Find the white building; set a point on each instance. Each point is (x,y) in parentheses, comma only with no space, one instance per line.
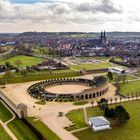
(99,123)
(117,70)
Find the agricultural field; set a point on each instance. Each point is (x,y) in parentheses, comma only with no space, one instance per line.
(25,60)
(128,131)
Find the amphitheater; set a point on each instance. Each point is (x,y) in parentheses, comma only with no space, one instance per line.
(69,88)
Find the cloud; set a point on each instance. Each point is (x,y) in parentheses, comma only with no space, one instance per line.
(105,6)
(55,10)
(58,12)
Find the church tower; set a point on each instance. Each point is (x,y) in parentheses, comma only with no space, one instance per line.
(103,38)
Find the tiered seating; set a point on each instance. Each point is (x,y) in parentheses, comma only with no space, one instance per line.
(37,90)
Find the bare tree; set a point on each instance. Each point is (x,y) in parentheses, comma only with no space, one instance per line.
(120,98)
(124,78)
(111,99)
(115,99)
(18,63)
(92,102)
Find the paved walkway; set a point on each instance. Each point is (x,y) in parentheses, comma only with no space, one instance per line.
(84,128)
(85,115)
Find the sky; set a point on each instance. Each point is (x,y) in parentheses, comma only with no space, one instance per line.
(69,15)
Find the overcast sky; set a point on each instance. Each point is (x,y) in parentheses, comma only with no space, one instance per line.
(69,15)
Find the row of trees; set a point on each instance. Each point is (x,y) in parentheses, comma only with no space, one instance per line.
(117,78)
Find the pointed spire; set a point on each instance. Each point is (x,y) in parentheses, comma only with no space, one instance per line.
(104,33)
(101,34)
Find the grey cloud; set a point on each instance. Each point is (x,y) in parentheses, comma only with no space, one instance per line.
(105,6)
(57,12)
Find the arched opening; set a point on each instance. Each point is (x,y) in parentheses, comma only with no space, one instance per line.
(97,94)
(93,95)
(82,97)
(90,96)
(86,96)
(77,97)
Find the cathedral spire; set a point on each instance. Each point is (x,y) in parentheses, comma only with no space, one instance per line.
(101,34)
(104,34)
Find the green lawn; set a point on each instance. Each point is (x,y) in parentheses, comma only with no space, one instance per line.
(80,103)
(26,60)
(91,66)
(41,77)
(128,131)
(43,129)
(21,130)
(102,58)
(127,78)
(3,134)
(131,87)
(77,117)
(118,59)
(40,102)
(5,114)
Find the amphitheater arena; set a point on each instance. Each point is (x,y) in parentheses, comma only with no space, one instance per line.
(69,88)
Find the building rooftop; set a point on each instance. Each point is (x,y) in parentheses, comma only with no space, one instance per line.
(99,121)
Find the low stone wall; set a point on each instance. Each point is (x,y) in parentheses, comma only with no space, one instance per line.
(18,109)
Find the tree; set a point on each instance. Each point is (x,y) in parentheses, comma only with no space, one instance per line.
(24,72)
(128,96)
(92,102)
(115,99)
(8,65)
(2,83)
(102,104)
(120,98)
(109,112)
(8,74)
(124,78)
(111,100)
(110,76)
(118,79)
(137,95)
(18,63)
(121,115)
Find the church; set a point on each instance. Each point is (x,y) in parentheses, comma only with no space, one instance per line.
(99,42)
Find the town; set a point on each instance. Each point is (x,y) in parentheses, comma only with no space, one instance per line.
(69,70)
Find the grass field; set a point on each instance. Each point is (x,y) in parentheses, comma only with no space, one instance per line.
(43,129)
(127,78)
(80,103)
(128,131)
(102,58)
(77,117)
(21,131)
(26,60)
(131,87)
(3,134)
(91,66)
(5,115)
(42,77)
